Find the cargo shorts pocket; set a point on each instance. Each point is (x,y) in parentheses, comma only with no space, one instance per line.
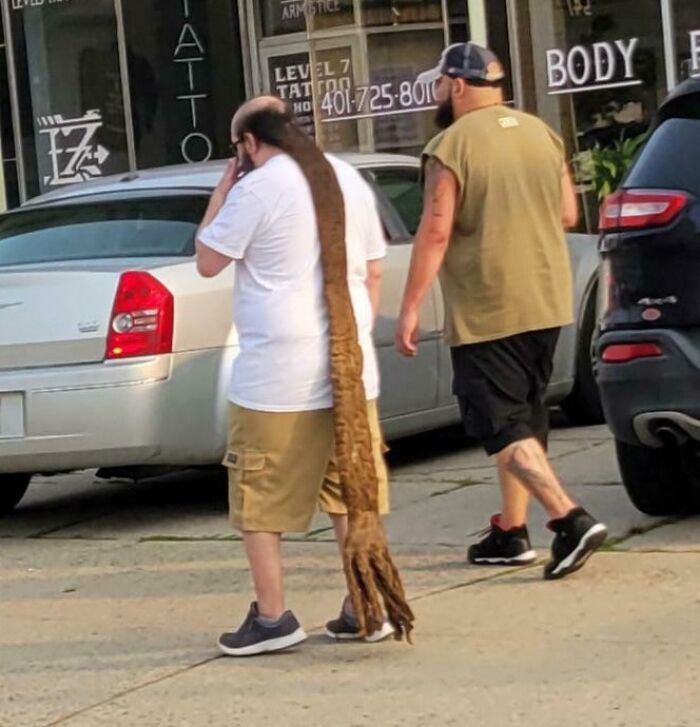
(244,473)
(245,460)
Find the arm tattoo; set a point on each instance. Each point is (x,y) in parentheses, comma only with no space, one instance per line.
(440,188)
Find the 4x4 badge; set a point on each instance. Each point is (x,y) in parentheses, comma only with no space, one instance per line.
(670,300)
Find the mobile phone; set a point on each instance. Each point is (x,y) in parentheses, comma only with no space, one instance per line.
(245,165)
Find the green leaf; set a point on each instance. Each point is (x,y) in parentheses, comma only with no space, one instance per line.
(610,166)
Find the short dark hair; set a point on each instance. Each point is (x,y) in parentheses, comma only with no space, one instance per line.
(483,83)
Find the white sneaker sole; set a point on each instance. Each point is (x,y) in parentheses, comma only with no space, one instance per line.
(383,633)
(588,544)
(266,647)
(526,558)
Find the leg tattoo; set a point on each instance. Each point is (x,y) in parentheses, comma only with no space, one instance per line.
(528,463)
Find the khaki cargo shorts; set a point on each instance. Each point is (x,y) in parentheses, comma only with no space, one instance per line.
(281,467)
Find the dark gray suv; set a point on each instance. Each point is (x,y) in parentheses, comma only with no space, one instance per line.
(649,350)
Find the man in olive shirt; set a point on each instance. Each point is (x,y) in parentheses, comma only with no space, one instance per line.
(498,197)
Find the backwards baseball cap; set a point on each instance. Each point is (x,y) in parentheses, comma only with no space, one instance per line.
(468,61)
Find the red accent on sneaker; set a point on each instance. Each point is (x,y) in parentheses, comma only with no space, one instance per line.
(497,522)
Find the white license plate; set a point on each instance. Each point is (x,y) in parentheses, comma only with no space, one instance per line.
(11,415)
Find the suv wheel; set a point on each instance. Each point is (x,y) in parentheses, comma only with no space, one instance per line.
(583,405)
(656,480)
(12,489)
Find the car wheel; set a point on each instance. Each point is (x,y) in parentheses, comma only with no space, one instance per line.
(583,405)
(12,489)
(656,480)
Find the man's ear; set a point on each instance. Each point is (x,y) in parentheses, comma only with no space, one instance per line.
(459,88)
(250,143)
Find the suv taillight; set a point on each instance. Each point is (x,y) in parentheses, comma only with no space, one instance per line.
(632,209)
(142,318)
(626,352)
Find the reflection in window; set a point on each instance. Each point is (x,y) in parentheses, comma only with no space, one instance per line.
(122,229)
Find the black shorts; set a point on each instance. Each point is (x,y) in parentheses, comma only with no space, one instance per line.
(501,387)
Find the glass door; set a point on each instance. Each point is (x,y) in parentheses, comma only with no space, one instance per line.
(384,105)
(291,71)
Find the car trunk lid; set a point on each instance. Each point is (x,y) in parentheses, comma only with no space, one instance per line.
(59,315)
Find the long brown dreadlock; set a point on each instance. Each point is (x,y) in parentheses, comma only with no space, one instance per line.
(371,575)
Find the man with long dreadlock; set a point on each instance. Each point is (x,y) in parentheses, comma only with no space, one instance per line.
(307,241)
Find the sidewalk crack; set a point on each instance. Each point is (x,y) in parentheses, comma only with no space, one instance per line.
(126,692)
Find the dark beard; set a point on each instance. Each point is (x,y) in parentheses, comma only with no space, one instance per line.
(245,164)
(445,115)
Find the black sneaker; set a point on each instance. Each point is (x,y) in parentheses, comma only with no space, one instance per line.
(253,637)
(578,536)
(345,628)
(502,547)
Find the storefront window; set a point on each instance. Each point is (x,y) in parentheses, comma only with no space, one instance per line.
(400,12)
(395,60)
(458,21)
(599,75)
(9,184)
(292,77)
(499,41)
(351,78)
(69,88)
(283,17)
(185,78)
(686,14)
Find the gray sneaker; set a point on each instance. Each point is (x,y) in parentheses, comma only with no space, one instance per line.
(254,637)
(345,628)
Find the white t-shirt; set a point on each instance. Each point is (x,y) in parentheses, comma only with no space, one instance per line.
(268,226)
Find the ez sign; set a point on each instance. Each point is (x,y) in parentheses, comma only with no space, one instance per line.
(588,68)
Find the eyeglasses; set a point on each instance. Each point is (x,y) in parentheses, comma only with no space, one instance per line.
(233,146)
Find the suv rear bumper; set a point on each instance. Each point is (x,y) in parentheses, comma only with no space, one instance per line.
(653,401)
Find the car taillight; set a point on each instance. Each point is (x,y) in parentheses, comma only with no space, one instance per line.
(142,318)
(626,352)
(632,209)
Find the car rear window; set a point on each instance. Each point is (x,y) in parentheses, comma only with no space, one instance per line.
(162,227)
(669,160)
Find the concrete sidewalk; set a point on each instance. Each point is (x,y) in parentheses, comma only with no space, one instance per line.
(111,601)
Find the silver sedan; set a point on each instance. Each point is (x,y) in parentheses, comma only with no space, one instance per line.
(115,354)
